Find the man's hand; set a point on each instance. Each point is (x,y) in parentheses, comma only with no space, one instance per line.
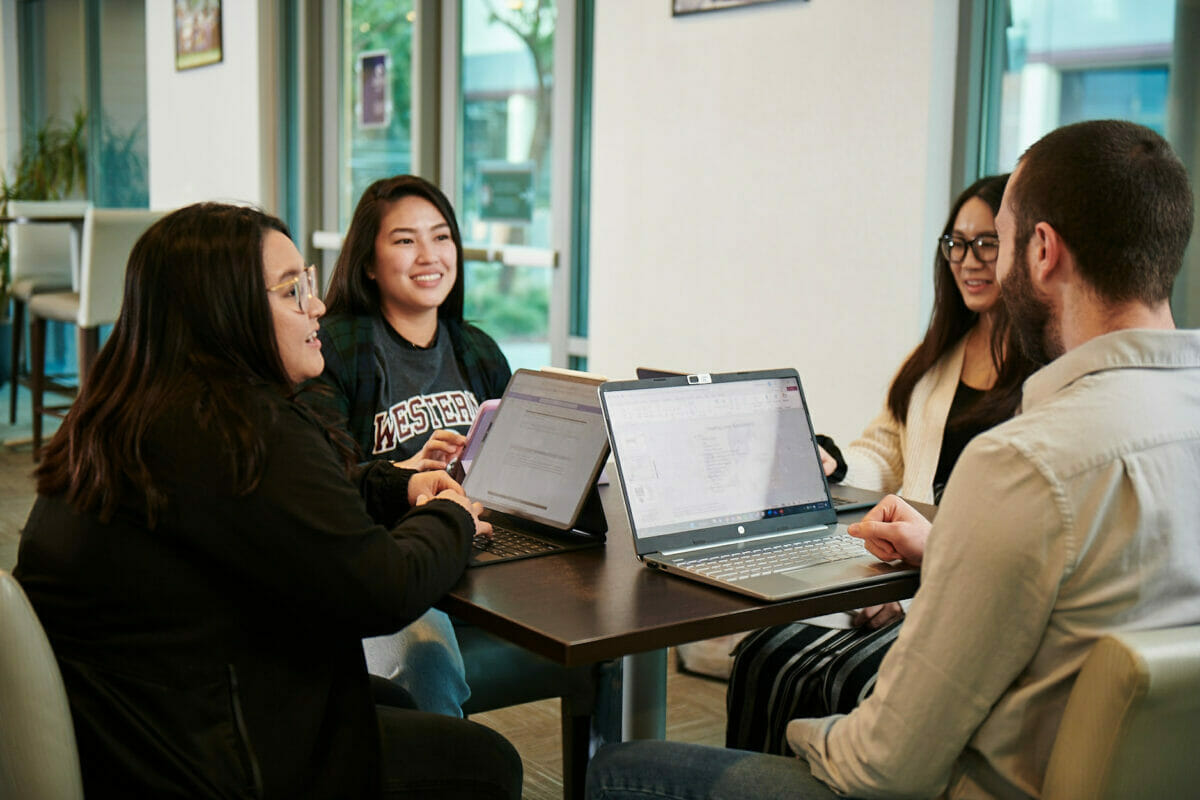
(442,447)
(893,530)
(828,462)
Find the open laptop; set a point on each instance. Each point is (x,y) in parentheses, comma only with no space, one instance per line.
(535,470)
(722,479)
(846,498)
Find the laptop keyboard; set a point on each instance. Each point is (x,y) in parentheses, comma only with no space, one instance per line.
(507,542)
(777,558)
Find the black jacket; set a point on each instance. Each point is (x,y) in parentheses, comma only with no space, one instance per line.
(219,654)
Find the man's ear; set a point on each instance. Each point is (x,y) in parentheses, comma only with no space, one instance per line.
(1048,255)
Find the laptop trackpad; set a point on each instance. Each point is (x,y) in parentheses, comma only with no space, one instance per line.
(845,572)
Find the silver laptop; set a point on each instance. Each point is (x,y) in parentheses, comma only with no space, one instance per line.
(723,484)
(536,468)
(846,498)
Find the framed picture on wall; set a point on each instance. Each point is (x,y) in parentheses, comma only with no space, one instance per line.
(680,7)
(197,33)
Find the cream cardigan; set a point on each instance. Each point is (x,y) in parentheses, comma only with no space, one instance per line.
(890,457)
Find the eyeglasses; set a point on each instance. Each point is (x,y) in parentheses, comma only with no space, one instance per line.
(986,248)
(303,287)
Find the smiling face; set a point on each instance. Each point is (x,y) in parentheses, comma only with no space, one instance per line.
(295,330)
(415,259)
(976,280)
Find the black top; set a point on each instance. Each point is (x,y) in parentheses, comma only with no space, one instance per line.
(219,654)
(956,435)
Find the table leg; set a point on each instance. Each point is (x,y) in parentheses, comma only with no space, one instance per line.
(645,696)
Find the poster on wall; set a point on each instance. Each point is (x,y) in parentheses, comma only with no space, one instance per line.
(679,7)
(375,89)
(197,33)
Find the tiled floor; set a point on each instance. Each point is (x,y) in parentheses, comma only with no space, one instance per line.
(696,706)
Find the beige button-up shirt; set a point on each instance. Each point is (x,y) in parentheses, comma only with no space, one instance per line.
(1079,517)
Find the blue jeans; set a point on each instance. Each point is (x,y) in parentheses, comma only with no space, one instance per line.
(677,771)
(424,659)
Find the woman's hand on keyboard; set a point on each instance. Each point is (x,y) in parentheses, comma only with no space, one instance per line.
(828,462)
(427,485)
(893,530)
(430,484)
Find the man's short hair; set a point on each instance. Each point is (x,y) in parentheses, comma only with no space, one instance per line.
(1118,196)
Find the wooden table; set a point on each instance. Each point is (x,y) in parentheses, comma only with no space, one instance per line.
(589,605)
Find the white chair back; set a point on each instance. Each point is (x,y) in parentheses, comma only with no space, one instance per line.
(43,252)
(38,755)
(108,238)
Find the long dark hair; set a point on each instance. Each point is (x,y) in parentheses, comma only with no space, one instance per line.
(952,319)
(350,290)
(195,326)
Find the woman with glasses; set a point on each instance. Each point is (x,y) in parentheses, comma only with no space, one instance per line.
(404,376)
(962,379)
(205,559)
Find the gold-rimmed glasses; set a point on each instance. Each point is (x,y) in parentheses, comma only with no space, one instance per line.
(302,286)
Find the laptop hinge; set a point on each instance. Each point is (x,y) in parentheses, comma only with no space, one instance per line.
(760,538)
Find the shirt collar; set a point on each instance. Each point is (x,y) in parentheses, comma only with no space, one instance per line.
(1163,349)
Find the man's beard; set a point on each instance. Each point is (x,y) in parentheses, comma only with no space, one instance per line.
(1030,314)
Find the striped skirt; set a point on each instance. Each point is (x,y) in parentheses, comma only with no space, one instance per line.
(798,670)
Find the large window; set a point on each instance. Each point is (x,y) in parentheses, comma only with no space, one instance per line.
(487,98)
(1066,61)
(507,79)
(1041,64)
(376,114)
(83,77)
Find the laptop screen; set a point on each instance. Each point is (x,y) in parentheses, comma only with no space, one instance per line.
(700,456)
(544,449)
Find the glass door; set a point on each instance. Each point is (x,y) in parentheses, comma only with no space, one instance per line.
(376,97)
(504,167)
(478,96)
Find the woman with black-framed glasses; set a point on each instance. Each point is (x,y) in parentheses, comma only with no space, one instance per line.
(963,378)
(206,560)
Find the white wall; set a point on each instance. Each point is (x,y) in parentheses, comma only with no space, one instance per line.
(767,185)
(207,126)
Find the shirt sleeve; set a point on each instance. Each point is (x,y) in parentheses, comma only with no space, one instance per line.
(384,488)
(992,569)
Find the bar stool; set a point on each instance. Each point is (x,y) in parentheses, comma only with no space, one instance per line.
(108,237)
(43,259)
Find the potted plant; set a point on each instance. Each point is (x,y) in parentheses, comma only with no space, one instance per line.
(51,166)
